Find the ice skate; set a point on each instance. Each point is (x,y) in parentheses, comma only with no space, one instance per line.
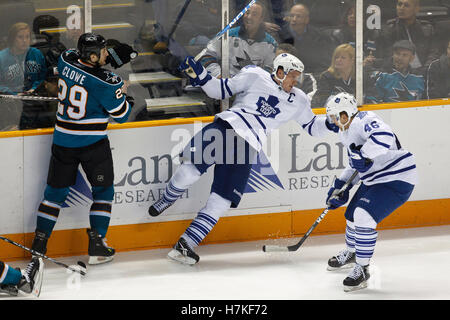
(9,289)
(357,279)
(182,253)
(159,206)
(343,260)
(98,251)
(32,277)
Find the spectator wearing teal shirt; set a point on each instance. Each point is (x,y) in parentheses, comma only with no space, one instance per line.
(399,82)
(22,68)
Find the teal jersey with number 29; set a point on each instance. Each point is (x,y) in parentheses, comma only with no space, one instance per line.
(88,96)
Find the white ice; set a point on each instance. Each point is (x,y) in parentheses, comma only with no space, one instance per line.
(408,264)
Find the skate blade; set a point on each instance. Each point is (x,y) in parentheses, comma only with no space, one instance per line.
(362,285)
(38,280)
(178,257)
(99,259)
(344,267)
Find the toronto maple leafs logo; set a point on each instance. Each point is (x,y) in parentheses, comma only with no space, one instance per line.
(268,108)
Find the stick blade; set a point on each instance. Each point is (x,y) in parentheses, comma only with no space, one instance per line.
(82,268)
(270,248)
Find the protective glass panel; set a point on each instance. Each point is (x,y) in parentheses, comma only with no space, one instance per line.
(163,33)
(32,36)
(411,56)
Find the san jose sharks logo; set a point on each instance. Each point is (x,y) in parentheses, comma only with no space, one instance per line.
(267,108)
(113,78)
(403,93)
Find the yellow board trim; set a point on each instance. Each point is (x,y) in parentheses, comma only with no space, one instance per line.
(229,229)
(178,121)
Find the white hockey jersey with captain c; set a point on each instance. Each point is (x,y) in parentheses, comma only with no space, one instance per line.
(379,143)
(261,105)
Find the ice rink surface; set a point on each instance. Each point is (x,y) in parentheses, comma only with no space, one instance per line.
(408,264)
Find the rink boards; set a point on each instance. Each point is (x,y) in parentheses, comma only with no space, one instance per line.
(285,194)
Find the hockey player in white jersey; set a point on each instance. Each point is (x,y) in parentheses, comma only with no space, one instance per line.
(263,103)
(387,173)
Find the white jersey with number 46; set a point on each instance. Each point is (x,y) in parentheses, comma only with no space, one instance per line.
(379,143)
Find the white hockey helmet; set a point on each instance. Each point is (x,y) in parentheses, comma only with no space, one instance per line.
(341,102)
(288,62)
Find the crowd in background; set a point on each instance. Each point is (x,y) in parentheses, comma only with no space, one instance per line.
(405,58)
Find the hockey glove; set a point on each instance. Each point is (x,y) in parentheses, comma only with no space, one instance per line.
(119,53)
(195,71)
(130,100)
(331,126)
(334,199)
(357,161)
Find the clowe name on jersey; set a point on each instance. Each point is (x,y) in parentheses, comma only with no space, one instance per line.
(73,75)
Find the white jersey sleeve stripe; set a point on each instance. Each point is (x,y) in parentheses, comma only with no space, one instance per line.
(309,125)
(222,90)
(379,142)
(228,88)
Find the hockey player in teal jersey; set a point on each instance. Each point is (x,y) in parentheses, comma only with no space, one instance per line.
(28,281)
(88,95)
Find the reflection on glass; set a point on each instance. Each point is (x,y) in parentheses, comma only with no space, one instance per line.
(164,32)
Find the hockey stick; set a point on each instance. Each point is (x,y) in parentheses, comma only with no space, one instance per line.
(17,97)
(227,27)
(219,36)
(161,46)
(294,247)
(80,263)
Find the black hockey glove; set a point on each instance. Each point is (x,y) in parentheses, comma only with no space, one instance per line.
(119,53)
(130,100)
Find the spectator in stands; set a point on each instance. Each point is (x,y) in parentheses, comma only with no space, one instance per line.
(200,23)
(339,77)
(438,76)
(313,46)
(22,68)
(347,34)
(398,81)
(307,82)
(250,44)
(407,27)
(276,23)
(48,43)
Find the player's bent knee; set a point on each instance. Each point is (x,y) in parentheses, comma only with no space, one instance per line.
(56,195)
(216,206)
(103,193)
(363,219)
